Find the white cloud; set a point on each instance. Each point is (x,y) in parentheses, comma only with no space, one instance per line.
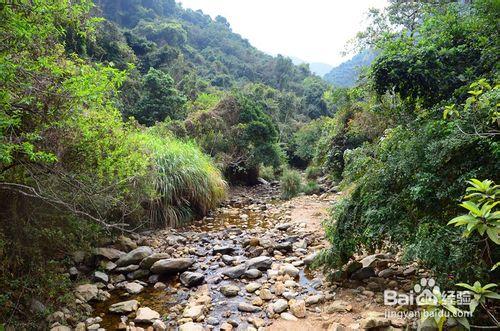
(313,30)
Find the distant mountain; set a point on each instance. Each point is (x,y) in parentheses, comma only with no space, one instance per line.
(318,68)
(347,73)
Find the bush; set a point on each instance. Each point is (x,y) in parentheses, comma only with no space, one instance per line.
(311,188)
(313,172)
(291,184)
(267,172)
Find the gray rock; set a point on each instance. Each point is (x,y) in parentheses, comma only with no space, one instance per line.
(124,307)
(235,272)
(283,226)
(308,260)
(146,315)
(280,306)
(371,260)
(248,308)
(138,274)
(190,326)
(147,262)
(229,290)
(260,262)
(133,288)
(314,299)
(222,249)
(110,253)
(101,277)
(290,270)
(253,273)
(386,273)
(338,306)
(409,271)
(135,256)
(190,279)
(87,292)
(127,269)
(170,266)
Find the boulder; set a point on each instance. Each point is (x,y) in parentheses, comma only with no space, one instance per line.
(260,262)
(338,306)
(290,270)
(135,256)
(134,288)
(101,277)
(170,266)
(235,272)
(193,311)
(109,253)
(124,307)
(147,262)
(374,320)
(222,249)
(146,315)
(190,279)
(87,292)
(126,243)
(253,273)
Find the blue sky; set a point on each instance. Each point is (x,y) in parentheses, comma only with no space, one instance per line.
(312,30)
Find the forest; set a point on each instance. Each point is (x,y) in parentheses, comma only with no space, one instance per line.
(129,128)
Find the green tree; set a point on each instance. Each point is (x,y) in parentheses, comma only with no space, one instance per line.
(159,99)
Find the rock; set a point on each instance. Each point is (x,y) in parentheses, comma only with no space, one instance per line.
(386,273)
(60,328)
(169,266)
(338,306)
(288,317)
(146,315)
(127,269)
(126,243)
(253,273)
(363,273)
(352,267)
(265,294)
(36,307)
(374,320)
(133,288)
(124,307)
(280,306)
(290,270)
(190,279)
(283,226)
(222,249)
(260,262)
(73,273)
(315,299)
(229,290)
(248,308)
(212,321)
(235,272)
(100,276)
(262,181)
(57,316)
(371,260)
(135,256)
(190,326)
(148,261)
(159,325)
(308,260)
(409,271)
(252,287)
(284,247)
(337,327)
(298,308)
(193,311)
(138,274)
(81,327)
(87,292)
(109,253)
(226,327)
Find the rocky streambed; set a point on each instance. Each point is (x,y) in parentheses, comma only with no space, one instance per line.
(243,267)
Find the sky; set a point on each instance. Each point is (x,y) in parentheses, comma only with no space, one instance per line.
(312,30)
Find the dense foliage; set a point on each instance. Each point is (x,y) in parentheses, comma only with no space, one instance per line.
(405,170)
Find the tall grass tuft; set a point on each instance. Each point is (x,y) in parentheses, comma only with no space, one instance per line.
(291,184)
(186,181)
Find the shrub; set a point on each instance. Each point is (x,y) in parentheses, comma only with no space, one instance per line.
(267,172)
(291,184)
(311,188)
(313,172)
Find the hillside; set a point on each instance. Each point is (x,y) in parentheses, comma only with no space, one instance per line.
(346,74)
(318,68)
